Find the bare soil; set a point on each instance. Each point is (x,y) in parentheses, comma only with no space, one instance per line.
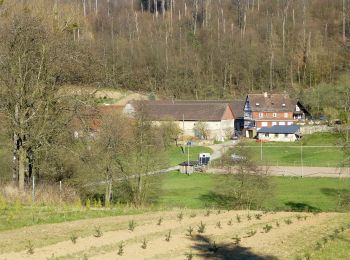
(283,241)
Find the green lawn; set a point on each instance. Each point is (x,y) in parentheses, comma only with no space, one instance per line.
(198,191)
(176,155)
(292,154)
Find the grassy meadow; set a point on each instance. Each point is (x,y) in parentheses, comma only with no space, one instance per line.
(290,154)
(289,193)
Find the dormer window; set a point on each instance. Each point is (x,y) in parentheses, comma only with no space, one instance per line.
(283,105)
(257,104)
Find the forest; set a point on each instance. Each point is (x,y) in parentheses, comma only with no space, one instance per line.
(205,49)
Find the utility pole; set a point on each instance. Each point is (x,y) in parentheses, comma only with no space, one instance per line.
(301,159)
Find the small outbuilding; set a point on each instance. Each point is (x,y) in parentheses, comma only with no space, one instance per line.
(279,133)
(188,167)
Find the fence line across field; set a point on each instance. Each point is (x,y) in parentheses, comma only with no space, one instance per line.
(295,146)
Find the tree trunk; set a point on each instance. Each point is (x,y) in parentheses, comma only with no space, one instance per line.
(21,167)
(344,24)
(15,160)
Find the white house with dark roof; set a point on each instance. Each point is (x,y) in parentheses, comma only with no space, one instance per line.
(219,116)
(279,133)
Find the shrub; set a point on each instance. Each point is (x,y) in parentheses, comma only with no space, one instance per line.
(236,240)
(238,218)
(258,216)
(73,238)
(159,221)
(207,214)
(30,247)
(98,232)
(213,247)
(189,231)
(144,243)
(88,204)
(219,212)
(288,221)
(218,224)
(229,222)
(251,233)
(168,236)
(132,225)
(180,216)
(121,248)
(277,224)
(318,246)
(298,217)
(249,217)
(267,228)
(201,228)
(189,255)
(193,215)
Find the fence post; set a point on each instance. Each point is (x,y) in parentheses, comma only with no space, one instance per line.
(60,190)
(33,187)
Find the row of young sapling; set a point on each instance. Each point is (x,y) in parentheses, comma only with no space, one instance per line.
(189,232)
(320,244)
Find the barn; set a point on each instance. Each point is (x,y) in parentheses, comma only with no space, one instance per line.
(218,116)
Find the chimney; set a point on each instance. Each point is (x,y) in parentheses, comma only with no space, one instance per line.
(265,94)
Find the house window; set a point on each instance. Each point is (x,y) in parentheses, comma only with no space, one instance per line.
(263,124)
(283,105)
(274,115)
(266,134)
(274,123)
(297,108)
(285,135)
(257,104)
(261,115)
(276,135)
(285,115)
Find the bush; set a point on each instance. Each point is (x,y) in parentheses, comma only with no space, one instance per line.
(251,233)
(73,238)
(121,248)
(132,225)
(201,228)
(236,240)
(180,216)
(98,232)
(144,243)
(30,248)
(159,221)
(267,228)
(168,236)
(189,231)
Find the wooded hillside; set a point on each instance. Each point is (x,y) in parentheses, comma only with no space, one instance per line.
(205,48)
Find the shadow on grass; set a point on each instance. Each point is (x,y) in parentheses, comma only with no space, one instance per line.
(213,199)
(208,250)
(301,207)
(335,192)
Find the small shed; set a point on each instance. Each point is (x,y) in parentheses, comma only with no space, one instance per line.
(188,167)
(279,133)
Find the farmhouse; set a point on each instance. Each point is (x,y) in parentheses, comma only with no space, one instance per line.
(279,133)
(218,116)
(268,110)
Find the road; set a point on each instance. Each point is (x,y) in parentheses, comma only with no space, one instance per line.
(299,171)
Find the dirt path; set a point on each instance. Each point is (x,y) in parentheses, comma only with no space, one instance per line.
(217,228)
